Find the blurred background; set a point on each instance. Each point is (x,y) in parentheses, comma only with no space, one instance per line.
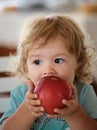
(13,14)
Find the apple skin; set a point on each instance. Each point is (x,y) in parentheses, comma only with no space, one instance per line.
(51,90)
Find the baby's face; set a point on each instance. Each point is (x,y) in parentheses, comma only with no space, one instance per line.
(51,59)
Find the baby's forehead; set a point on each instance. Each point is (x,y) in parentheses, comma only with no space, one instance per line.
(43,41)
(52,45)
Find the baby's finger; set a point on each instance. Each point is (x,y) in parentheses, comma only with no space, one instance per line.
(74,93)
(31,85)
(36,109)
(34,102)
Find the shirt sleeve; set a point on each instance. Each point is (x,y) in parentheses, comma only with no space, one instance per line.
(16,98)
(88,100)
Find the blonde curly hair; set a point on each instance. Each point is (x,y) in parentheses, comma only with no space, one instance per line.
(47,27)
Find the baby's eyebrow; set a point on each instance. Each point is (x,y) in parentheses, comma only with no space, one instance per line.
(62,54)
(34,55)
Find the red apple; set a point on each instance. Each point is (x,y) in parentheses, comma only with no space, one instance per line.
(51,90)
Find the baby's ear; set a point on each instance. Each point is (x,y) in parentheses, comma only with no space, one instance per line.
(31,85)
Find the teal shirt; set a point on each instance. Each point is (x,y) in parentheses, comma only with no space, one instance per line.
(86,97)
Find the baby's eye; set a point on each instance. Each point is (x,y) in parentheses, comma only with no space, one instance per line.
(59,60)
(37,62)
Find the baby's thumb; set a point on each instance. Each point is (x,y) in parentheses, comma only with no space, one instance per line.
(31,85)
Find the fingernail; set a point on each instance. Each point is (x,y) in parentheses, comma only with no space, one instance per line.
(38,102)
(35,95)
(63,101)
(55,110)
(42,109)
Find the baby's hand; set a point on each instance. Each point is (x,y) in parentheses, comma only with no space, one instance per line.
(32,102)
(71,105)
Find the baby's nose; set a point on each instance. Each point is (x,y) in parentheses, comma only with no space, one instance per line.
(49,71)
